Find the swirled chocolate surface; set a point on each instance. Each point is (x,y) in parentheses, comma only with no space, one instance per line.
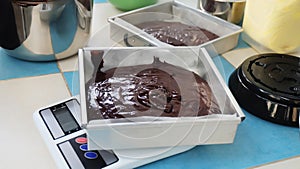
(157,89)
(176,33)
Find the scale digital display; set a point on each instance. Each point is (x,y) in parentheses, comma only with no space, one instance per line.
(65,119)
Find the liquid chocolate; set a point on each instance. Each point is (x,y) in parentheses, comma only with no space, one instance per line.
(176,33)
(157,89)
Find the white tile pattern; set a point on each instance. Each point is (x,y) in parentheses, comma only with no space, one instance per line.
(18,133)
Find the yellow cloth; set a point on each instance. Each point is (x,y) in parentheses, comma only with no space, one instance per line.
(274,24)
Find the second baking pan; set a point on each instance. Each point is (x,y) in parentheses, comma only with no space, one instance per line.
(124,26)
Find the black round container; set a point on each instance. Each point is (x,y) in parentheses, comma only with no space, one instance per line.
(268,86)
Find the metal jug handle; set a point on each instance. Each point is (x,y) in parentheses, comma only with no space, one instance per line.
(84,15)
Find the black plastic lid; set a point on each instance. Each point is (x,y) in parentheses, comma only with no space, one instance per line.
(268,85)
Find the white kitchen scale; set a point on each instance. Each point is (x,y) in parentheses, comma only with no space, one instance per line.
(59,125)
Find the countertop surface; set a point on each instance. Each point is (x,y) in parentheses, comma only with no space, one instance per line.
(27,86)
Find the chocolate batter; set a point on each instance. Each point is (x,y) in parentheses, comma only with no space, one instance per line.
(176,33)
(157,89)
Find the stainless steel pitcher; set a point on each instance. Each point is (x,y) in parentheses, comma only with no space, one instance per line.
(230,10)
(44,30)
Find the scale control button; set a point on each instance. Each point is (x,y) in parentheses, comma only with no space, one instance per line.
(83,147)
(81,140)
(90,155)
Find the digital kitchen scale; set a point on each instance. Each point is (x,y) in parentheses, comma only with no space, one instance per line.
(59,125)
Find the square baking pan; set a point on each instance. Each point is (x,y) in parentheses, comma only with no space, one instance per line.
(123,27)
(156,131)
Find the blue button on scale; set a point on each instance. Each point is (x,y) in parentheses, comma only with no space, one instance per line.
(83,147)
(90,155)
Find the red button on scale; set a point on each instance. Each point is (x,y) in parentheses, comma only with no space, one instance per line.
(81,140)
